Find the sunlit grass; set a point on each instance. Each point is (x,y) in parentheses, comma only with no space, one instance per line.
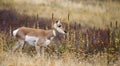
(94,13)
(17,59)
(98,14)
(52,58)
(67,59)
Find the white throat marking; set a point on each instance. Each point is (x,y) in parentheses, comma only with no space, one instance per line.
(54,33)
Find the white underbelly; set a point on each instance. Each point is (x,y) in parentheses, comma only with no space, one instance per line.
(31,40)
(46,42)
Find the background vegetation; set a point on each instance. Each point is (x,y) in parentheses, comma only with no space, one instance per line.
(93,32)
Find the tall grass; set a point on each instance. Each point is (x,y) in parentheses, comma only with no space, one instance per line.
(76,49)
(86,43)
(9,59)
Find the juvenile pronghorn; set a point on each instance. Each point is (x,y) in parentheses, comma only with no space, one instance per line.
(37,37)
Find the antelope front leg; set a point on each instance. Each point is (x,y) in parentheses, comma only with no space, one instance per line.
(37,47)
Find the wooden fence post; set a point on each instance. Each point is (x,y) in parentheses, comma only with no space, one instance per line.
(52,18)
(119,39)
(116,24)
(10,33)
(37,22)
(68,34)
(68,26)
(68,16)
(111,25)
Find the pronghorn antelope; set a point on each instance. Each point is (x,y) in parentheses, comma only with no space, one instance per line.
(37,37)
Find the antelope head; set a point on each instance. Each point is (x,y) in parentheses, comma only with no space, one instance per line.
(59,27)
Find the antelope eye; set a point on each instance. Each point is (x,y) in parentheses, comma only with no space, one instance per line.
(59,26)
(56,21)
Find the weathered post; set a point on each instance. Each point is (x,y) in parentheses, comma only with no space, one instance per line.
(52,18)
(116,24)
(37,22)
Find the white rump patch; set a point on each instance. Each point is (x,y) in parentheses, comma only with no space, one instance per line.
(31,40)
(15,32)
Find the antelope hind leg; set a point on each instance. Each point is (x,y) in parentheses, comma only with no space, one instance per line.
(19,45)
(22,42)
(42,50)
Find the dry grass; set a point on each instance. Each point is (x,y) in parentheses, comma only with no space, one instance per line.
(17,59)
(68,59)
(7,58)
(91,13)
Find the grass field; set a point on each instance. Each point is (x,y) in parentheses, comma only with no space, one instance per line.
(90,13)
(16,59)
(93,37)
